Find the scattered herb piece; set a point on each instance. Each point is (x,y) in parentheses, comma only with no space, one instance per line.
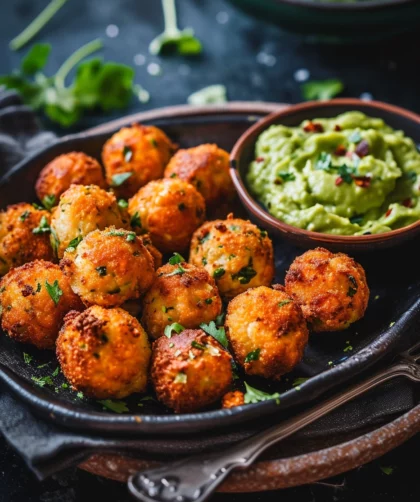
(253,395)
(285,176)
(38,287)
(355,137)
(284,302)
(173,327)
(219,272)
(115,406)
(101,271)
(42,366)
(176,258)
(27,358)
(54,291)
(64,386)
(205,238)
(411,175)
(391,324)
(346,173)
(116,233)
(253,356)
(178,271)
(245,274)
(119,179)
(386,470)
(180,378)
(37,206)
(24,215)
(217,333)
(197,345)
(80,395)
(263,234)
(208,301)
(123,204)
(353,288)
(43,228)
(74,243)
(56,372)
(42,381)
(49,201)
(299,381)
(127,153)
(135,220)
(211,95)
(321,89)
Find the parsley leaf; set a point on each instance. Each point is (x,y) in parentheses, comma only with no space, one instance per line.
(211,95)
(178,271)
(119,179)
(299,381)
(386,470)
(219,272)
(353,288)
(27,358)
(127,153)
(24,215)
(41,381)
(56,371)
(253,356)
(253,395)
(48,202)
(43,227)
(245,274)
(123,204)
(74,243)
(173,327)
(54,291)
(101,271)
(175,259)
(135,220)
(217,333)
(321,89)
(285,176)
(115,406)
(197,345)
(346,173)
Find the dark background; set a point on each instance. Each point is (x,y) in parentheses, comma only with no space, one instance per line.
(255,61)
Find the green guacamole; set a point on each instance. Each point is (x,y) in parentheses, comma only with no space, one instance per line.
(349,175)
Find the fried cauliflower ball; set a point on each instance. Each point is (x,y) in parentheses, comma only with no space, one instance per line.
(267,332)
(330,287)
(169,210)
(207,168)
(235,252)
(34,299)
(134,156)
(190,371)
(24,236)
(109,267)
(181,293)
(81,210)
(74,168)
(104,353)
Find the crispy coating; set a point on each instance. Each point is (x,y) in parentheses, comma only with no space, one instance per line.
(140,150)
(235,252)
(267,332)
(29,312)
(18,242)
(74,168)
(104,353)
(169,210)
(181,293)
(81,210)
(232,399)
(109,267)
(190,371)
(207,168)
(330,287)
(153,250)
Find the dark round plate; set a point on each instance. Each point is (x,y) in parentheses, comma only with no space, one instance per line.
(330,359)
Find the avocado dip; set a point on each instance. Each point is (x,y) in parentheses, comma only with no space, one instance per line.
(349,175)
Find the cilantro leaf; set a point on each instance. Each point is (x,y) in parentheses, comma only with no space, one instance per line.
(173,327)
(74,243)
(123,204)
(253,356)
(115,406)
(48,201)
(43,228)
(211,95)
(175,259)
(178,271)
(245,274)
(321,89)
(219,272)
(119,179)
(27,358)
(386,470)
(42,381)
(346,173)
(217,333)
(56,371)
(54,291)
(36,58)
(253,395)
(285,176)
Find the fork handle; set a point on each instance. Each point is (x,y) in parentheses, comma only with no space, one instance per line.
(194,478)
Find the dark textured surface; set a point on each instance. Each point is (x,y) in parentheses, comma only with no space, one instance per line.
(387,70)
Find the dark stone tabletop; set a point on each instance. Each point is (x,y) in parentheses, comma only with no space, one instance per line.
(256,61)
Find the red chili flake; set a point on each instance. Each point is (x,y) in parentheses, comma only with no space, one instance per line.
(407,203)
(259,159)
(339,180)
(337,128)
(340,151)
(362,181)
(313,127)
(388,213)
(362,148)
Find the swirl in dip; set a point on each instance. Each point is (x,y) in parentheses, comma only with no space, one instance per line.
(348,175)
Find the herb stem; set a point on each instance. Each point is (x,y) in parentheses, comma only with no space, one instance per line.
(169,16)
(74,59)
(36,25)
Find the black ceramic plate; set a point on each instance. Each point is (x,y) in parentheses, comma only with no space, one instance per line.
(330,359)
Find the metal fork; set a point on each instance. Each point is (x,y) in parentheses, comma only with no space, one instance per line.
(193,479)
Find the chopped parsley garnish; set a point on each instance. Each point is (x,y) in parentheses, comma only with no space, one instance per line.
(178,271)
(54,291)
(353,288)
(263,234)
(182,206)
(197,345)
(131,237)
(135,220)
(205,238)
(173,175)
(180,378)
(234,228)
(285,176)
(356,220)
(284,302)
(321,89)
(122,203)
(101,271)
(253,395)
(74,243)
(127,153)
(55,242)
(64,386)
(166,309)
(299,381)
(219,272)
(24,215)
(175,259)
(115,406)
(324,161)
(346,173)
(41,381)
(386,470)
(217,333)
(56,372)
(220,319)
(80,395)
(38,207)
(355,137)
(119,179)
(173,327)
(245,275)
(38,287)
(253,356)
(27,358)
(48,202)
(43,228)
(348,348)
(208,301)
(116,233)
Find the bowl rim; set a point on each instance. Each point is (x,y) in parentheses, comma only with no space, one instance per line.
(255,130)
(355,6)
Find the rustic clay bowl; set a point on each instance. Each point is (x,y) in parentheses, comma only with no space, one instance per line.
(243,153)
